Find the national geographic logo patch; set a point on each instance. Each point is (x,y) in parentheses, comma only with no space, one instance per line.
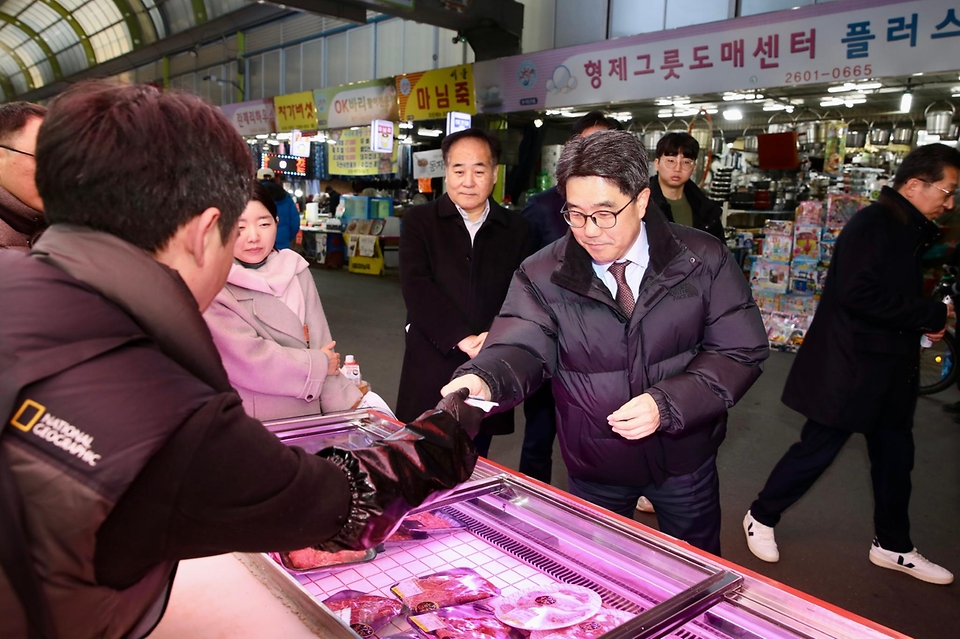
(32,417)
(28,415)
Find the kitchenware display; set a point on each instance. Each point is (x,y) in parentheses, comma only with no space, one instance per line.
(902,134)
(651,136)
(940,118)
(879,135)
(856,137)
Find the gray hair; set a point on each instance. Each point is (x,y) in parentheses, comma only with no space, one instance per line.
(616,156)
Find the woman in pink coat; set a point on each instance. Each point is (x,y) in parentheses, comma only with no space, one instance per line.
(269,327)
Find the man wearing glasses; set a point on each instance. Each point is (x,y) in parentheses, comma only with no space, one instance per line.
(673,190)
(856,371)
(648,332)
(21,209)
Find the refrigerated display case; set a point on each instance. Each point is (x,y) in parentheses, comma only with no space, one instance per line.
(521,534)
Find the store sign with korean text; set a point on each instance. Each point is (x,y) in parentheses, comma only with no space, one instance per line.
(252,118)
(430,95)
(356,104)
(296,111)
(428,164)
(834,42)
(351,155)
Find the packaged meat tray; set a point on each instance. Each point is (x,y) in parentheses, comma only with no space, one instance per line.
(364,613)
(447,588)
(431,523)
(406,536)
(471,621)
(309,560)
(602,622)
(547,607)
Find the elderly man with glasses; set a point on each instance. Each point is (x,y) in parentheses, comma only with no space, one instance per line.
(21,209)
(856,371)
(648,332)
(675,193)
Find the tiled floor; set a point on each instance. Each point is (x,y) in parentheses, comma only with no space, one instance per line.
(442,552)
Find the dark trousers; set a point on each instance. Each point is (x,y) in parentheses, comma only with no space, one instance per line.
(540,413)
(688,506)
(891,461)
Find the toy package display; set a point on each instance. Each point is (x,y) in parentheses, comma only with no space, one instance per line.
(804,276)
(810,213)
(767,300)
(799,304)
(785,331)
(806,242)
(841,207)
(828,241)
(778,240)
(770,275)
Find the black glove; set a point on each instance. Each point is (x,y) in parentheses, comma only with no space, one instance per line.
(468,416)
(418,464)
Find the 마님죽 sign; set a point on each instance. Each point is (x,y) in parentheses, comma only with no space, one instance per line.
(432,94)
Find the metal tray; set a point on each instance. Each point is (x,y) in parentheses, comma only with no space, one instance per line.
(283,559)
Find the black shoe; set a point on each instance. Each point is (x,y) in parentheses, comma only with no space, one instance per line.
(952,408)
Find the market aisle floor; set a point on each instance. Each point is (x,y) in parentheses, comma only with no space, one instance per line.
(823,540)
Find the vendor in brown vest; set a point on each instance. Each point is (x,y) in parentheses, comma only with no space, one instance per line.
(21,209)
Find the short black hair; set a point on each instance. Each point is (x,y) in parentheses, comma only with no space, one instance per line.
(477,134)
(926,163)
(616,156)
(262,195)
(14,116)
(595,119)
(139,163)
(676,143)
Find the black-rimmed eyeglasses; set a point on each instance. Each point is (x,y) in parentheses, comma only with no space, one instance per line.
(8,148)
(603,219)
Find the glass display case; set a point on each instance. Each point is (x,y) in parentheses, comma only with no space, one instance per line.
(520,534)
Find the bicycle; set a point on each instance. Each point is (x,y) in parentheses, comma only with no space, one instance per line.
(939,366)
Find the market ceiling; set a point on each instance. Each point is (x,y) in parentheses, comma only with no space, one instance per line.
(44,42)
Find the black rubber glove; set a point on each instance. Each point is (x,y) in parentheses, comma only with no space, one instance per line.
(418,464)
(468,416)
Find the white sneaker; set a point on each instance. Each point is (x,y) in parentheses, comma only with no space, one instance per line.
(760,539)
(912,563)
(644,505)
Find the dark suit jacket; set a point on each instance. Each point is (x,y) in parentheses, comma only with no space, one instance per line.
(706,212)
(452,290)
(857,367)
(543,213)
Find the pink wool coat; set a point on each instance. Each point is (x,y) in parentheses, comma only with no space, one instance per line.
(267,358)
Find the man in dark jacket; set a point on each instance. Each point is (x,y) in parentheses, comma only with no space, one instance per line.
(649,333)
(547,226)
(124,449)
(675,193)
(457,255)
(288,222)
(21,209)
(856,371)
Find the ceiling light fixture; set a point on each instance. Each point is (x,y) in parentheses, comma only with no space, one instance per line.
(538,123)
(732,114)
(429,133)
(906,101)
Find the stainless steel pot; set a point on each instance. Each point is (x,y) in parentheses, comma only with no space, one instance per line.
(750,142)
(810,131)
(879,135)
(902,134)
(652,137)
(952,133)
(779,127)
(938,120)
(856,139)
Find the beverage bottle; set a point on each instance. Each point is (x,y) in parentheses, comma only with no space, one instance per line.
(351,370)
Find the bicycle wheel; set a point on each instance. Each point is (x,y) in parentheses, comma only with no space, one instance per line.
(938,365)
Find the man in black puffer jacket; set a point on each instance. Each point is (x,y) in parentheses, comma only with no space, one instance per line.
(648,332)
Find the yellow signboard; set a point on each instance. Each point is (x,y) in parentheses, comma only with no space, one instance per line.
(351,155)
(429,95)
(296,111)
